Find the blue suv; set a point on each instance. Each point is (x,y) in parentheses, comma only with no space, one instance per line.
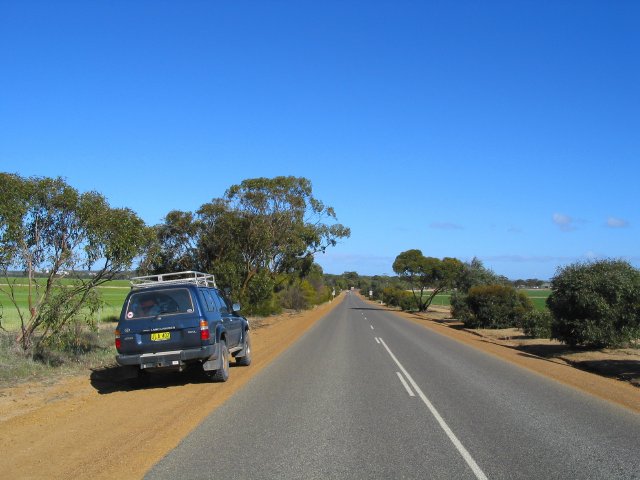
(175,320)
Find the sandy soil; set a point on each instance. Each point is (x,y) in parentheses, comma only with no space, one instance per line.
(101,426)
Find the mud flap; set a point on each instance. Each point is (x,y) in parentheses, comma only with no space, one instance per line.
(241,353)
(214,362)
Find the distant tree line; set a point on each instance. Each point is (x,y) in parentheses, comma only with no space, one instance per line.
(529,283)
(595,304)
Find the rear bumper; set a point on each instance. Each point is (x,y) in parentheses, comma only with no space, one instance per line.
(171,359)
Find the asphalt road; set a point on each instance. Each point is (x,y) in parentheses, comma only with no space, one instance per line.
(365,394)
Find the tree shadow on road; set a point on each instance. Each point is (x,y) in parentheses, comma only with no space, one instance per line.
(626,370)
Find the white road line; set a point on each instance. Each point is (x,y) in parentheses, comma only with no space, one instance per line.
(371,327)
(404,382)
(377,341)
(463,451)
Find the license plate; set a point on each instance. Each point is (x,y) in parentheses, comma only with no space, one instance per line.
(159,337)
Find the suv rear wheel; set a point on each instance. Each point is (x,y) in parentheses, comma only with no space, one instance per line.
(222,374)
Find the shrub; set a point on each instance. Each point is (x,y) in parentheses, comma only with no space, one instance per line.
(494,306)
(299,296)
(407,302)
(397,298)
(459,307)
(596,304)
(537,323)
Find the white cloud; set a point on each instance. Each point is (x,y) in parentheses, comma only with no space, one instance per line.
(564,222)
(446,226)
(613,222)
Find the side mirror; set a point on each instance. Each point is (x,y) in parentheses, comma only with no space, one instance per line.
(236,307)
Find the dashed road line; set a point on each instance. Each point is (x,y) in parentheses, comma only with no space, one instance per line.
(406,386)
(463,451)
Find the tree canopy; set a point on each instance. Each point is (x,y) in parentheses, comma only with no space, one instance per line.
(260,230)
(47,226)
(426,274)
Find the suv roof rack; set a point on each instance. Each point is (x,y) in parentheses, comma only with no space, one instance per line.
(189,276)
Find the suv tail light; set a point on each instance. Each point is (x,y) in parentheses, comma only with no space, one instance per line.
(204,330)
(118,341)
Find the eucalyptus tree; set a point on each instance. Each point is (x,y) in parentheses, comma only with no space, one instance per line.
(264,227)
(76,241)
(252,237)
(175,244)
(427,276)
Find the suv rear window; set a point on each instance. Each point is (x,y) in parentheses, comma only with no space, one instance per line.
(166,302)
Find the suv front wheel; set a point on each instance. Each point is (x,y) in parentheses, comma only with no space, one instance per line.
(245,360)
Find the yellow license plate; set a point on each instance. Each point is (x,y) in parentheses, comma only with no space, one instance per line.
(158,337)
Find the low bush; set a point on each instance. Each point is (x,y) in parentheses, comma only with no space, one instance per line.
(537,323)
(397,297)
(407,302)
(596,304)
(459,307)
(494,306)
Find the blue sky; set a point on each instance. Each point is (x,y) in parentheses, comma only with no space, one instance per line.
(506,130)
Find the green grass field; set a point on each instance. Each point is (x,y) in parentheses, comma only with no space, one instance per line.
(537,296)
(442,300)
(112,293)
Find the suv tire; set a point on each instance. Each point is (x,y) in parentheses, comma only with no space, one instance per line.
(222,374)
(245,360)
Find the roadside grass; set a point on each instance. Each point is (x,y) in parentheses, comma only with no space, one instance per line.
(97,350)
